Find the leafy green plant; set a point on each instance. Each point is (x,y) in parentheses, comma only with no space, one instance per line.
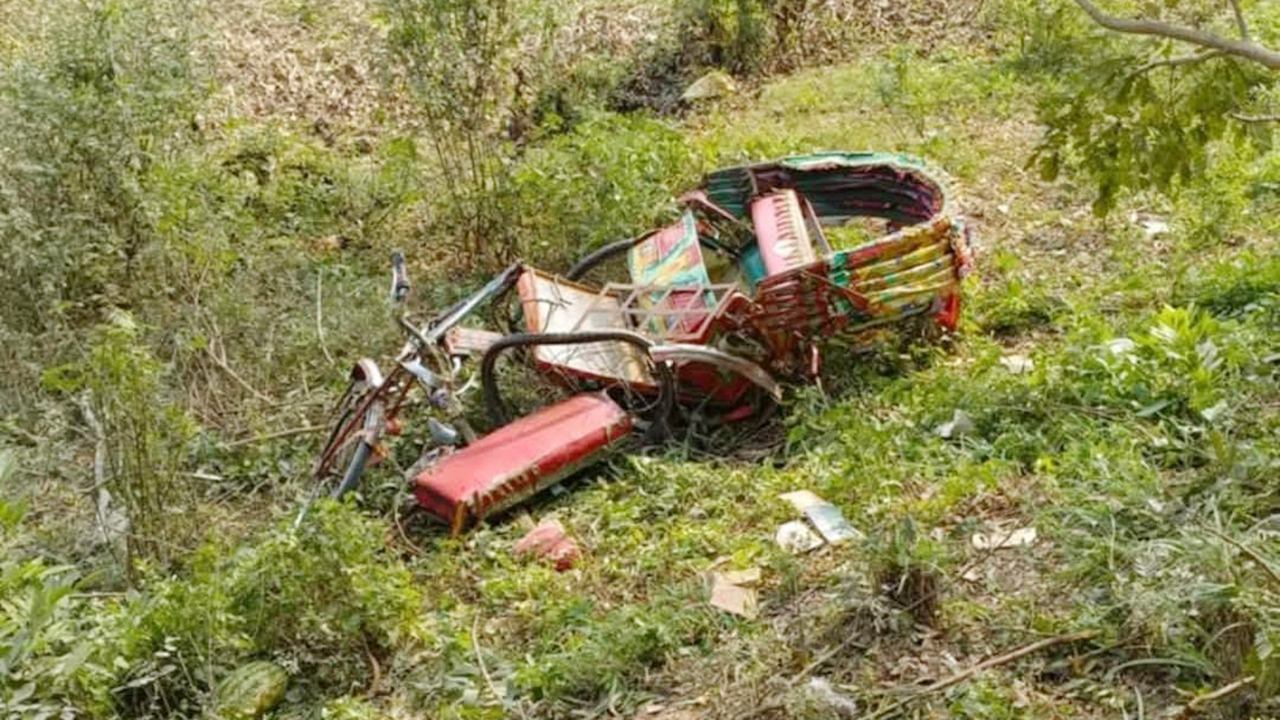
(733,33)
(470,65)
(318,601)
(611,177)
(1177,369)
(1135,114)
(749,36)
(143,443)
(50,642)
(84,112)
(1236,287)
(899,89)
(908,569)
(597,659)
(279,244)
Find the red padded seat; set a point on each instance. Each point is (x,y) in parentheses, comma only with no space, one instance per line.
(517,460)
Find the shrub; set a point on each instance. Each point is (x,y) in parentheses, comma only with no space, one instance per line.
(84,112)
(318,601)
(732,33)
(590,661)
(1131,113)
(1179,368)
(473,67)
(271,261)
(50,642)
(613,176)
(141,444)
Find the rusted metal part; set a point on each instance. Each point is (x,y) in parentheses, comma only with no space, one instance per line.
(362,392)
(730,363)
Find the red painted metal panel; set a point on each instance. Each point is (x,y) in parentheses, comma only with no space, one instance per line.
(519,459)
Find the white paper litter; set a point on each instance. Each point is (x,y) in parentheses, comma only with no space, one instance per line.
(996,540)
(795,537)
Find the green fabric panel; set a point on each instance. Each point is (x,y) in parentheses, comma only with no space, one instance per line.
(752,266)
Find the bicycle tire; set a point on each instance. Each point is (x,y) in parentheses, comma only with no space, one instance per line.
(355,470)
(617,249)
(493,398)
(366,384)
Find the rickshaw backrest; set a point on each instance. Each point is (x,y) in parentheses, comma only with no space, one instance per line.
(672,258)
(851,292)
(787,232)
(551,304)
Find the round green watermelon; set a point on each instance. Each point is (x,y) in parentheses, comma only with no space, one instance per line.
(250,690)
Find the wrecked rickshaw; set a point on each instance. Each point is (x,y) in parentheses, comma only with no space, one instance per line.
(694,324)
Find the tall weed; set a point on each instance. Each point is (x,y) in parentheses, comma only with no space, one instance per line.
(611,177)
(142,440)
(473,67)
(84,112)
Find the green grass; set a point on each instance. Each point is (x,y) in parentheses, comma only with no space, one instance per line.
(1126,465)
(1146,433)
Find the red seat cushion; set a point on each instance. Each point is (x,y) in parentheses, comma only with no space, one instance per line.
(519,459)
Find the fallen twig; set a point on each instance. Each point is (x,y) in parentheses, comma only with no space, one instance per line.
(779,701)
(222,363)
(1253,554)
(404,537)
(475,645)
(848,642)
(1256,118)
(984,665)
(1176,61)
(375,669)
(320,315)
(1240,21)
(1201,700)
(26,437)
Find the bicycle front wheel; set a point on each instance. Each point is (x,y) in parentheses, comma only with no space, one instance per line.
(355,469)
(356,429)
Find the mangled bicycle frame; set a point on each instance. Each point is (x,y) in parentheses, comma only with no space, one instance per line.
(704,318)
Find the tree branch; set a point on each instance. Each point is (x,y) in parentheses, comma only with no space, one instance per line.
(984,665)
(275,436)
(1240,48)
(1256,118)
(1201,700)
(1253,554)
(1240,23)
(1178,60)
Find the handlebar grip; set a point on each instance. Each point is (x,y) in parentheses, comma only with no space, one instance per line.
(400,284)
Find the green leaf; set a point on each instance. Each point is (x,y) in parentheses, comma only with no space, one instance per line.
(1154,408)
